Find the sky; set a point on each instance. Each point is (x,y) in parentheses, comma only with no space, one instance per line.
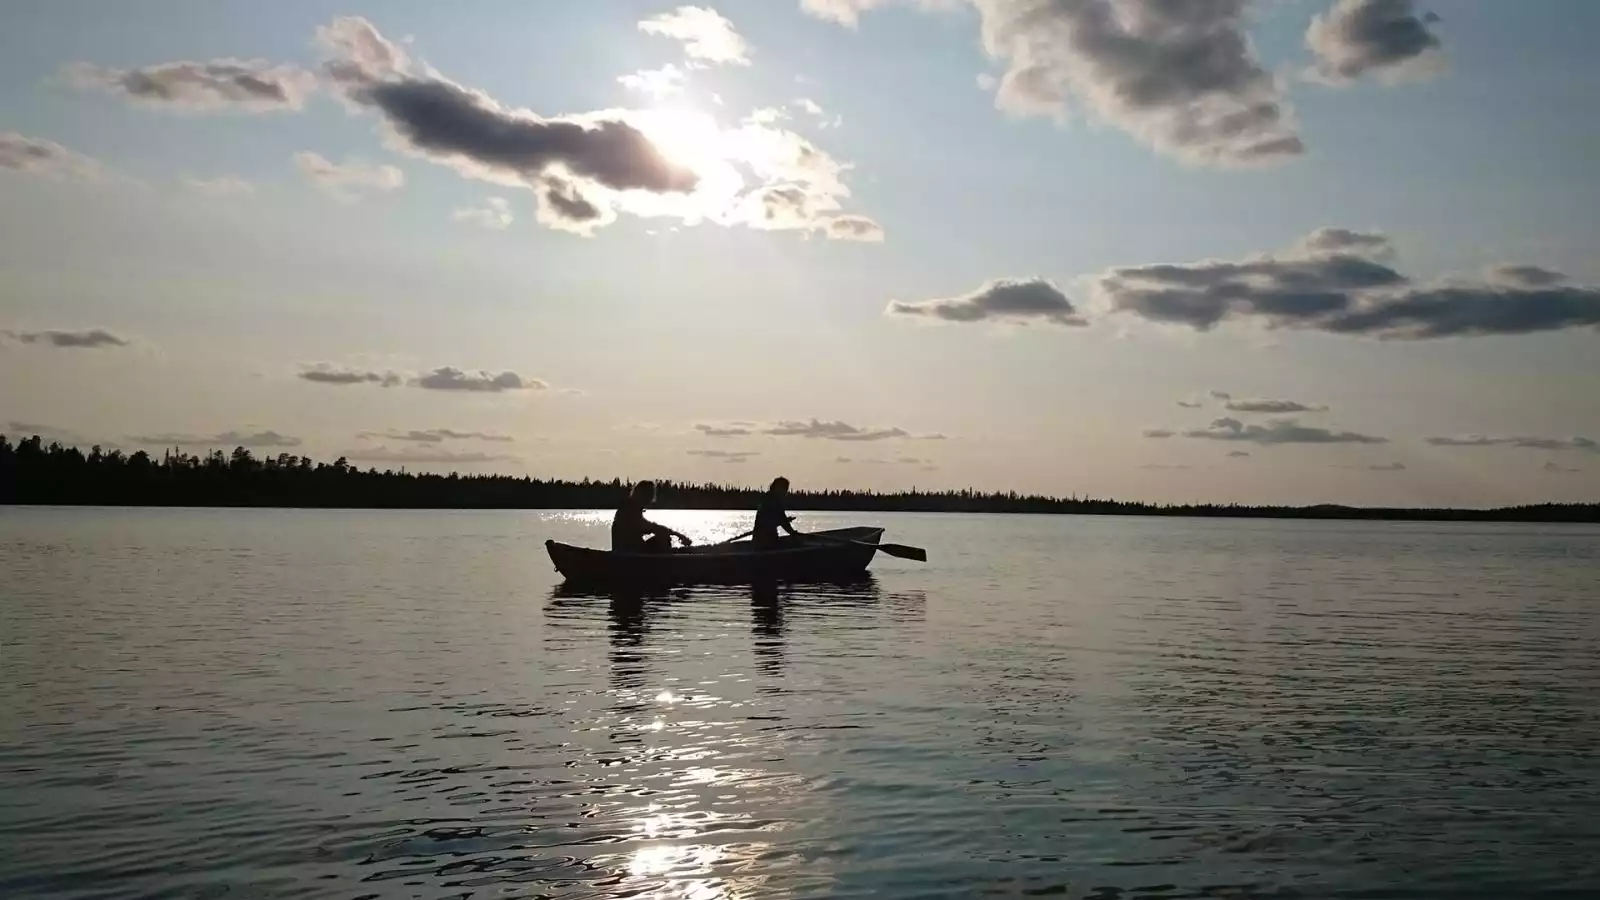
(1282,251)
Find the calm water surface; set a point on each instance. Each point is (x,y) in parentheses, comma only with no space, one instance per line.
(344,704)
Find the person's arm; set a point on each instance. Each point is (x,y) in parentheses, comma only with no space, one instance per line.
(657,528)
(787,524)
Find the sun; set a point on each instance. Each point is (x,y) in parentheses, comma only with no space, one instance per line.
(686,137)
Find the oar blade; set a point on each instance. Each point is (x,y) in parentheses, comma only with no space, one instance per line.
(904,552)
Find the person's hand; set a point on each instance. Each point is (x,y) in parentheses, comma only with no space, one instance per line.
(685,539)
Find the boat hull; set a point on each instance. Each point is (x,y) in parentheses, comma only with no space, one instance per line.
(816,556)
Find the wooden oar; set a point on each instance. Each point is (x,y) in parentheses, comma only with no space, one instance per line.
(903,551)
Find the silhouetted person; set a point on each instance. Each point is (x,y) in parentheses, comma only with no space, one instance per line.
(770,515)
(631,532)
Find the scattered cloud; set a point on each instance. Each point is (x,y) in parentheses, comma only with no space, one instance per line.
(833,431)
(1278,431)
(813,429)
(1348,292)
(253,85)
(92,339)
(255,440)
(1389,38)
(811,106)
(417,456)
(727,456)
(851,228)
(1387,467)
(881,461)
(1554,468)
(347,181)
(221,186)
(658,83)
(1159,434)
(494,213)
(1009,300)
(435,436)
(46,159)
(1190,404)
(1588,445)
(23,430)
(844,12)
(328,373)
(706,34)
(1234,404)
(1237,454)
(1178,467)
(450,378)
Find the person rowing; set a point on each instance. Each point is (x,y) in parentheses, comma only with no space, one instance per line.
(770,516)
(631,532)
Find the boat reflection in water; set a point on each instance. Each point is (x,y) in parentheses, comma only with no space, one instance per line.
(690,754)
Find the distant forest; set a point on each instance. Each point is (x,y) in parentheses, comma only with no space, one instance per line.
(32,472)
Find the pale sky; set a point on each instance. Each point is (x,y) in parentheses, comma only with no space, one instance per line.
(1285,251)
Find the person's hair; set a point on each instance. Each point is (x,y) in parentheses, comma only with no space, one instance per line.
(643,490)
(779,483)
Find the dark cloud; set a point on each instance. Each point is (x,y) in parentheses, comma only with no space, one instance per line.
(1011,300)
(728,456)
(562,205)
(94,338)
(36,156)
(327,373)
(1588,445)
(248,85)
(1258,405)
(450,378)
(1190,404)
(467,130)
(259,439)
(1179,75)
(1280,431)
(1358,37)
(443,378)
(723,431)
(1368,244)
(1344,293)
(424,457)
(1159,433)
(1555,468)
(1238,453)
(1526,276)
(1270,406)
(1387,467)
(435,436)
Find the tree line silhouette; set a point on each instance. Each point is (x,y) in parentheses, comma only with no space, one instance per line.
(32,472)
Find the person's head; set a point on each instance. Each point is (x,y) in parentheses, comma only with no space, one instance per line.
(780,486)
(643,493)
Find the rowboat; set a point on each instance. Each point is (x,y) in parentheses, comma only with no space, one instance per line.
(813,556)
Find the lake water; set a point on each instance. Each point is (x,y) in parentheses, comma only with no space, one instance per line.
(344,704)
